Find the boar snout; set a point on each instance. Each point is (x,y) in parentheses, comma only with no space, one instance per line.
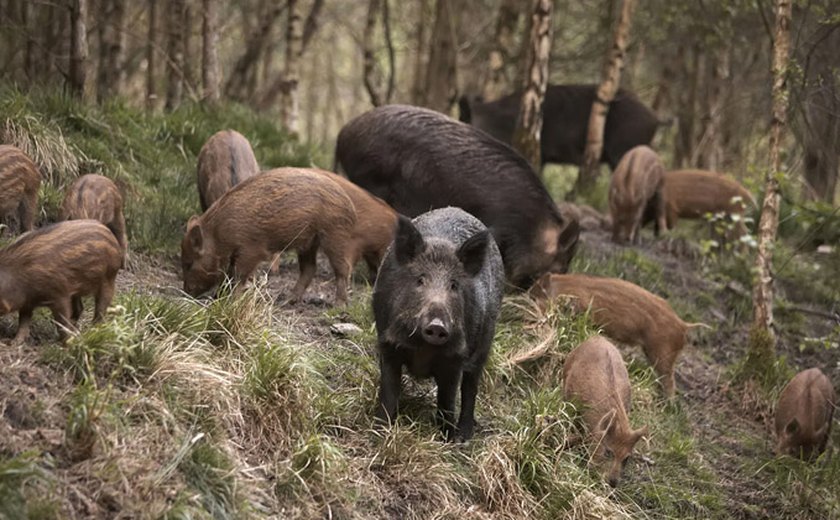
(436,332)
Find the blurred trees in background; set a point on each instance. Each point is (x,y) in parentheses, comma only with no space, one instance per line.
(703,66)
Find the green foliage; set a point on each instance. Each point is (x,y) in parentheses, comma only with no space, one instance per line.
(208,470)
(151,156)
(22,488)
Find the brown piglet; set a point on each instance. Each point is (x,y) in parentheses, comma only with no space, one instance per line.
(594,377)
(278,210)
(694,193)
(804,413)
(19,183)
(96,197)
(375,224)
(626,313)
(636,185)
(55,267)
(225,160)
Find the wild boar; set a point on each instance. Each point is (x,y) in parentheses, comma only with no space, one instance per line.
(19,183)
(594,376)
(565,121)
(435,302)
(55,267)
(225,160)
(417,159)
(96,197)
(636,184)
(626,313)
(694,193)
(375,224)
(281,209)
(804,413)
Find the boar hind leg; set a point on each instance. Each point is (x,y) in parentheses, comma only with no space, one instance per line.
(26,214)
(664,366)
(447,388)
(342,267)
(307,264)
(389,387)
(24,321)
(77,308)
(103,299)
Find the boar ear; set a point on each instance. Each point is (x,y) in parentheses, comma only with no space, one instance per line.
(472,252)
(607,422)
(638,434)
(408,242)
(195,234)
(792,427)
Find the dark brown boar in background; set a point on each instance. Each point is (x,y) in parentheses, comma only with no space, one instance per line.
(96,197)
(55,267)
(19,183)
(637,183)
(225,160)
(278,210)
(804,413)
(627,313)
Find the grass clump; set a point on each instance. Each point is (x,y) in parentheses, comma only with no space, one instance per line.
(25,488)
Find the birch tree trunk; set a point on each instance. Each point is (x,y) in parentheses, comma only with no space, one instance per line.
(78,49)
(151,59)
(175,54)
(378,94)
(210,51)
(762,337)
(603,97)
(526,135)
(441,85)
(289,107)
(497,83)
(111,74)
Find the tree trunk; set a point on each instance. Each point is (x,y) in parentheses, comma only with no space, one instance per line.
(78,49)
(526,135)
(371,80)
(151,61)
(418,80)
(762,337)
(210,52)
(709,153)
(189,59)
(691,63)
(497,83)
(111,74)
(242,69)
(441,84)
(289,107)
(29,52)
(603,97)
(175,54)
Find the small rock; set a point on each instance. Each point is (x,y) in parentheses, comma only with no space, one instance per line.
(344,329)
(825,249)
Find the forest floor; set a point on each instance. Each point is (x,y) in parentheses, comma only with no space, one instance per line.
(714,452)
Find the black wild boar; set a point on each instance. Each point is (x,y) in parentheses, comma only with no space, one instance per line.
(436,301)
(19,183)
(565,121)
(804,413)
(225,160)
(96,197)
(277,210)
(416,160)
(55,267)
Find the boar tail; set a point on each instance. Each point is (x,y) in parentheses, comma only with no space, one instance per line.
(698,324)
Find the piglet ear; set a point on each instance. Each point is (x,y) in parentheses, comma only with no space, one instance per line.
(568,240)
(472,252)
(638,434)
(792,427)
(195,234)
(408,242)
(606,423)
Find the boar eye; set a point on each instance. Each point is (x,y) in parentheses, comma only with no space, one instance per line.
(608,453)
(421,280)
(453,285)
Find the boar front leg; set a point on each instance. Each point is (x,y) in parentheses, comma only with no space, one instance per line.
(62,310)
(24,321)
(103,299)
(307,264)
(447,387)
(389,385)
(78,308)
(469,391)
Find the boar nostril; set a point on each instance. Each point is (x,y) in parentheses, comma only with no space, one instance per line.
(435,332)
